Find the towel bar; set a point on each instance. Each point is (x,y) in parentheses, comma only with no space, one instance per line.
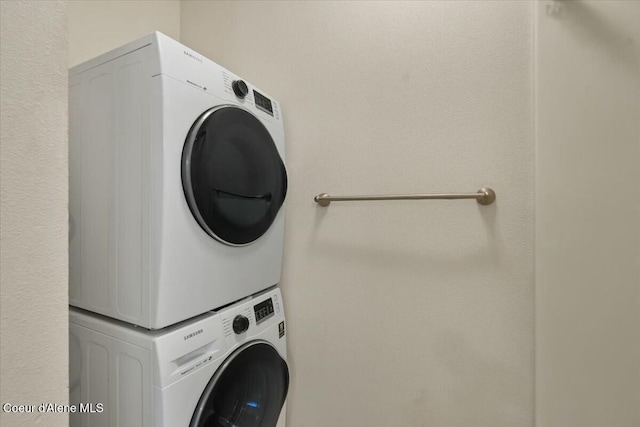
(484,196)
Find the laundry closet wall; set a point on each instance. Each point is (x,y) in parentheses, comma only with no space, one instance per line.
(588,214)
(96,27)
(33,210)
(403,313)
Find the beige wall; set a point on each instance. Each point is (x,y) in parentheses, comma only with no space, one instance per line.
(405,313)
(588,214)
(33,209)
(97,26)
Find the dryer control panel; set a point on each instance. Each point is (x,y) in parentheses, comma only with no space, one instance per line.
(243,92)
(262,102)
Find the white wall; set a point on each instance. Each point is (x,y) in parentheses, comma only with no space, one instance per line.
(33,209)
(400,313)
(588,214)
(97,26)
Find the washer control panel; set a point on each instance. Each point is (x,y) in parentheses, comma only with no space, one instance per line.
(251,316)
(263,310)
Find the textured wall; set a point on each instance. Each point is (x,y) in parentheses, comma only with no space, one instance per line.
(97,26)
(400,313)
(588,214)
(33,209)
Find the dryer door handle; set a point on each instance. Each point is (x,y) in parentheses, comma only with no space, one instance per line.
(266,197)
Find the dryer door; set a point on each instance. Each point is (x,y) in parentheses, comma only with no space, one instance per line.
(248,390)
(232,175)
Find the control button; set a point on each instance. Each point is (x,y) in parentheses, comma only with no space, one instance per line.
(240,324)
(240,88)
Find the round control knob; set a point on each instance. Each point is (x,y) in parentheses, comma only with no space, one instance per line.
(240,324)
(240,88)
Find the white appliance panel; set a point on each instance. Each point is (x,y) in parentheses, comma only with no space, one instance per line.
(137,253)
(156,378)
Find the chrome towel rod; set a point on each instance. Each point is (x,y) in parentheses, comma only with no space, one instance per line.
(484,196)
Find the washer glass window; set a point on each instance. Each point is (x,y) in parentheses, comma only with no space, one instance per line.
(233,176)
(249,390)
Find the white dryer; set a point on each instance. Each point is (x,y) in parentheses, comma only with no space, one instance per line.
(225,368)
(177,184)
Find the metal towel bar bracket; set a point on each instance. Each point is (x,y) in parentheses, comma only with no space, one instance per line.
(484,196)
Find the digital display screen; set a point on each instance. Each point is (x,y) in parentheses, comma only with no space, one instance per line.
(263,311)
(263,103)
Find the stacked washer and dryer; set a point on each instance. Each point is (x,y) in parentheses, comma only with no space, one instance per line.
(177,184)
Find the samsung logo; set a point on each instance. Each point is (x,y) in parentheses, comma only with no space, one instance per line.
(193,334)
(191,55)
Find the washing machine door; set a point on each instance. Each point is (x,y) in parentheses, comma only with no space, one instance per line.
(248,390)
(233,178)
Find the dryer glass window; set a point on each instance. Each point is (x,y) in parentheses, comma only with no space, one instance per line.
(233,177)
(248,390)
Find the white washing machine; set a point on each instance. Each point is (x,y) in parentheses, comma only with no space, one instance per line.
(177,184)
(225,368)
